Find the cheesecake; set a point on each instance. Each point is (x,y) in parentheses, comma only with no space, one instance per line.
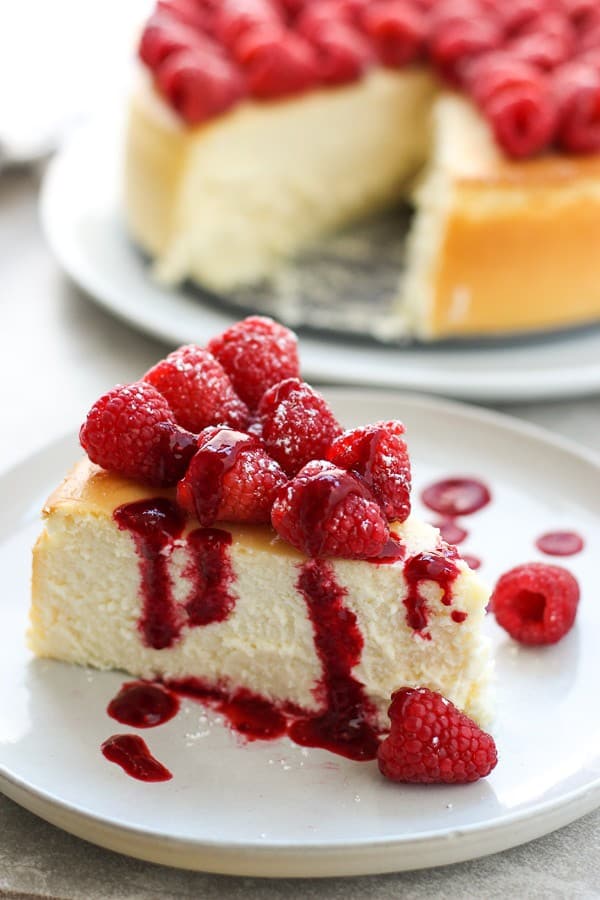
(229,176)
(92,605)
(280,563)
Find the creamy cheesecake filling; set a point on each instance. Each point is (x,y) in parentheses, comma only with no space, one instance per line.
(238,612)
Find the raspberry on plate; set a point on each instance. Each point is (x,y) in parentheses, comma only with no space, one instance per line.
(256,353)
(536,603)
(230,478)
(380,456)
(198,390)
(297,424)
(433,742)
(131,430)
(326,511)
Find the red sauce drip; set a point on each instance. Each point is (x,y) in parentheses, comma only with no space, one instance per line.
(153,525)
(473,562)
(392,551)
(211,574)
(343,728)
(319,499)
(131,753)
(456,496)
(560,543)
(204,479)
(451,531)
(458,616)
(143,704)
(438,566)
(250,715)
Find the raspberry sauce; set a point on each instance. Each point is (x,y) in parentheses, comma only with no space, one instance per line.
(451,531)
(248,714)
(211,573)
(143,704)
(456,496)
(131,753)
(473,562)
(436,566)
(154,524)
(560,543)
(343,728)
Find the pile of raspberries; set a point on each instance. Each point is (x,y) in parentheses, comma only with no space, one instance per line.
(243,439)
(531,66)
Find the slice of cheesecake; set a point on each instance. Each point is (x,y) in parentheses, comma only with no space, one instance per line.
(235,607)
(276,560)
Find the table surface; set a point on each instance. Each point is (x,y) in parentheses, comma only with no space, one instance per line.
(59,352)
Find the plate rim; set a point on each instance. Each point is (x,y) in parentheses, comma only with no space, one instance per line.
(519,385)
(328,858)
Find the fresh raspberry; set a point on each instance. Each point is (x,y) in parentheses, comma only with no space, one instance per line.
(380,456)
(234,19)
(277,62)
(297,424)
(397,31)
(518,102)
(199,84)
(230,478)
(197,13)
(256,353)
(318,15)
(457,39)
(164,35)
(545,43)
(343,54)
(326,511)
(131,430)
(433,742)
(536,603)
(198,390)
(577,89)
(519,14)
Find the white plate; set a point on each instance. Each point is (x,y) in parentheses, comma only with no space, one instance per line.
(80,209)
(273,808)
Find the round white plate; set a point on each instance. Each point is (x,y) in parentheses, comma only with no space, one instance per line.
(273,808)
(80,211)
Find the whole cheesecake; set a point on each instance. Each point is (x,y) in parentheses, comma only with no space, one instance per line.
(276,560)
(258,127)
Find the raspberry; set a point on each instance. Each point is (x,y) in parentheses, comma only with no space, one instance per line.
(318,15)
(519,14)
(277,63)
(433,742)
(164,35)
(397,31)
(131,430)
(256,353)
(456,39)
(198,390)
(230,478)
(536,603)
(297,424)
(379,455)
(234,19)
(191,12)
(326,511)
(577,90)
(518,102)
(545,43)
(343,54)
(199,84)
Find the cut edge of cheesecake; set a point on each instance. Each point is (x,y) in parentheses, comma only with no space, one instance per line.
(496,247)
(87,608)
